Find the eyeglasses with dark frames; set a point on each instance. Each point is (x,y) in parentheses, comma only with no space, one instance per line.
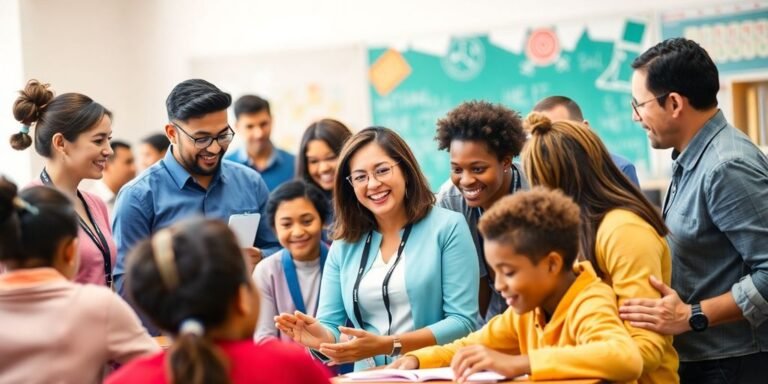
(636,105)
(204,142)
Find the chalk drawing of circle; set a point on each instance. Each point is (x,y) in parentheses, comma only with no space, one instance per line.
(465,59)
(543,47)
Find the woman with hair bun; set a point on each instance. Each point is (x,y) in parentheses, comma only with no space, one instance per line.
(72,132)
(55,331)
(191,281)
(621,233)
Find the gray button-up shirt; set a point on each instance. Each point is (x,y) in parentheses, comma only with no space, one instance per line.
(450,197)
(717,213)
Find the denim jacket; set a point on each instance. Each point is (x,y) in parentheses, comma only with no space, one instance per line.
(717,212)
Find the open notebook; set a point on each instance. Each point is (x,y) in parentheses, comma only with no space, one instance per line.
(417,375)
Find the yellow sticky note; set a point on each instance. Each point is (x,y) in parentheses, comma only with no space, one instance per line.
(389,70)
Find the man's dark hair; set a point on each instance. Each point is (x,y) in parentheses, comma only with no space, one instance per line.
(158,141)
(195,98)
(548,103)
(683,66)
(251,104)
(117,144)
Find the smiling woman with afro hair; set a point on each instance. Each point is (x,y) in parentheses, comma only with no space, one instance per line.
(482,139)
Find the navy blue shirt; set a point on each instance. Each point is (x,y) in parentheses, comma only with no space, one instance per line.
(280,168)
(166,193)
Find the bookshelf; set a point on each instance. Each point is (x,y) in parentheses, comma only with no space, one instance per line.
(750,110)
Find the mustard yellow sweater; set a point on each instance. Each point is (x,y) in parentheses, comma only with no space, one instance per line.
(628,251)
(583,339)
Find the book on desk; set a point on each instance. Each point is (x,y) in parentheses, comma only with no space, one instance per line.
(416,376)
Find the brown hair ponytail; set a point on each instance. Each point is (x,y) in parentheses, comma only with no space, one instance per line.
(569,156)
(186,279)
(194,359)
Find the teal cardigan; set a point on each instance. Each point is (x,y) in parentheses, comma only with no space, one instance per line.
(441,278)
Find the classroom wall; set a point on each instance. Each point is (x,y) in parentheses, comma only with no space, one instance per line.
(128,54)
(14,165)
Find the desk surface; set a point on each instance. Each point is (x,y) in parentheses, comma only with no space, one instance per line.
(340,380)
(164,342)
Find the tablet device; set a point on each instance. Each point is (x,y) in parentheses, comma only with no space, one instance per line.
(244,226)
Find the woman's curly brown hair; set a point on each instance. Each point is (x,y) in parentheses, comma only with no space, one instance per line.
(535,223)
(498,126)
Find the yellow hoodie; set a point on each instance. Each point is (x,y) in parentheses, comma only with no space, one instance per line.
(628,251)
(584,339)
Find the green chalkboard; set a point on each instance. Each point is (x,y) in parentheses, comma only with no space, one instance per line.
(595,73)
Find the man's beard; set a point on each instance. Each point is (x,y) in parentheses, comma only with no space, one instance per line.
(195,169)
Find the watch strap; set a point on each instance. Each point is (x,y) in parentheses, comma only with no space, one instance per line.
(397,347)
(696,309)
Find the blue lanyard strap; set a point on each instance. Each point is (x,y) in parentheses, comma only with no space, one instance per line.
(289,267)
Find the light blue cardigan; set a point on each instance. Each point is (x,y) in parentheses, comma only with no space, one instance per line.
(441,278)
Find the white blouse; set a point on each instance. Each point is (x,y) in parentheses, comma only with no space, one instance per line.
(372,299)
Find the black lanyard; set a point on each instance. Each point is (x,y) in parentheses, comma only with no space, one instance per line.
(100,241)
(385,284)
(517,183)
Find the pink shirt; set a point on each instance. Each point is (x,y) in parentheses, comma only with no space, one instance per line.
(56,331)
(271,362)
(91,260)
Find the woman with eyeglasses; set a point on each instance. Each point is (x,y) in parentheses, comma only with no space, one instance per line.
(318,155)
(72,132)
(403,271)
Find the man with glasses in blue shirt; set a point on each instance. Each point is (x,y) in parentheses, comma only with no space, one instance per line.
(192,179)
(716,209)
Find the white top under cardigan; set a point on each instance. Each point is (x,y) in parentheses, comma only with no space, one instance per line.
(372,299)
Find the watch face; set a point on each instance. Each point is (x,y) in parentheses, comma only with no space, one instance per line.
(698,322)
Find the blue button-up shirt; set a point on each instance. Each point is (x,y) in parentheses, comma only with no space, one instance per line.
(166,193)
(717,213)
(626,167)
(280,168)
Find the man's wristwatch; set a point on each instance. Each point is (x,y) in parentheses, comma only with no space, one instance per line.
(396,347)
(698,320)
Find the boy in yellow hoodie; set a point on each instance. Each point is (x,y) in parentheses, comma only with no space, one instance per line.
(562,322)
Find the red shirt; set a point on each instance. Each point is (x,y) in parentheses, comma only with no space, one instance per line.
(268,362)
